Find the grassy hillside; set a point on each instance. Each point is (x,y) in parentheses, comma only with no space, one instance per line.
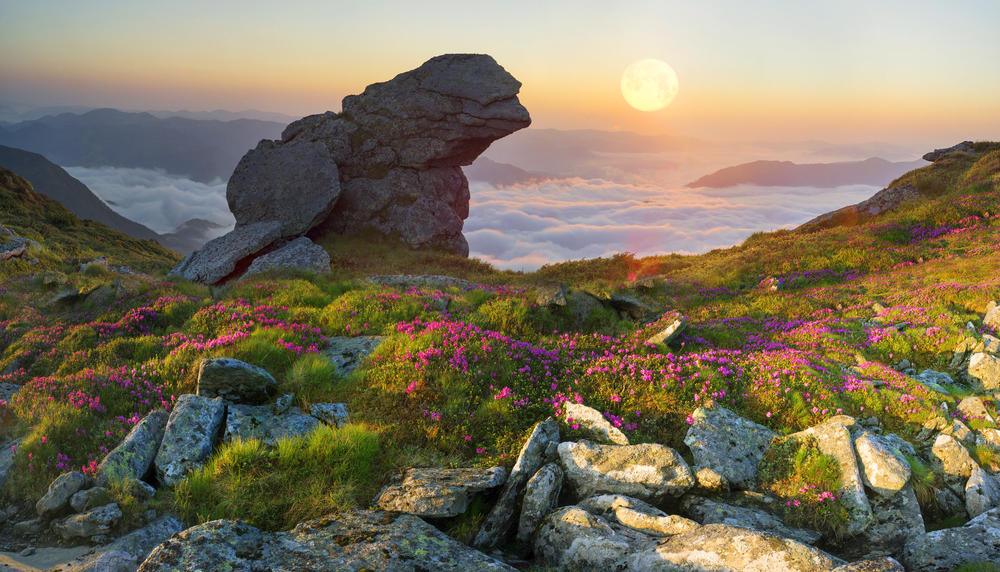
(782,329)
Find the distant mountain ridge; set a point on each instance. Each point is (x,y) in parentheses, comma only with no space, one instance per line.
(200,149)
(873,171)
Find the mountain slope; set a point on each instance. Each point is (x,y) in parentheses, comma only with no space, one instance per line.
(872,171)
(197,149)
(54,182)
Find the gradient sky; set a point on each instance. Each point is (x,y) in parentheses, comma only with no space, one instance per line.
(840,71)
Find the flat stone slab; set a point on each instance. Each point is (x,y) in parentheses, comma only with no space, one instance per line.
(260,422)
(649,472)
(439,493)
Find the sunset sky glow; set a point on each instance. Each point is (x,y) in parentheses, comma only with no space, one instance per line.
(851,70)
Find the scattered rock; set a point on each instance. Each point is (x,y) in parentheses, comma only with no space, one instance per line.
(984,369)
(333,414)
(883,564)
(896,518)
(571,538)
(992,316)
(406,281)
(834,439)
(963,147)
(637,515)
(235,381)
(55,501)
(978,541)
(299,254)
(502,516)
(13,248)
(189,436)
(649,472)
(948,455)
(541,496)
(982,493)
(84,500)
(936,380)
(132,457)
(727,443)
(670,333)
(884,201)
(7,452)
(219,257)
(438,493)
(351,540)
(283,403)
(127,552)
(629,306)
(92,523)
(974,409)
(101,262)
(722,547)
(550,295)
(883,469)
(8,391)
(346,354)
(592,422)
(260,422)
(707,511)
(293,185)
(710,481)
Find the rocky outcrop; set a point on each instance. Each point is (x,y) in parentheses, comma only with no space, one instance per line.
(438,493)
(883,469)
(982,493)
(189,437)
(637,515)
(56,499)
(952,459)
(502,516)
(834,439)
(300,254)
(978,541)
(590,420)
(984,369)
(541,496)
(389,163)
(881,202)
(261,422)
(235,381)
(963,147)
(133,457)
(333,414)
(992,316)
(351,540)
(707,511)
(94,522)
(895,519)
(127,552)
(649,472)
(728,444)
(84,500)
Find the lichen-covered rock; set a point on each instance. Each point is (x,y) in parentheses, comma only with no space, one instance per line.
(722,547)
(502,516)
(333,414)
(936,380)
(978,541)
(992,316)
(963,147)
(669,333)
(438,493)
(649,472)
(11,248)
(835,440)
(294,185)
(881,564)
(56,499)
(127,552)
(133,457)
(96,521)
(896,518)
(346,354)
(406,281)
(571,538)
(710,481)
(7,451)
(727,443)
(219,257)
(260,422)
(189,436)
(8,391)
(541,496)
(84,500)
(982,493)
(637,515)
(952,459)
(883,469)
(974,409)
(984,369)
(235,381)
(299,254)
(707,511)
(351,540)
(592,422)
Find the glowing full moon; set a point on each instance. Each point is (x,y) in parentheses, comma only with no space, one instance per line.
(649,85)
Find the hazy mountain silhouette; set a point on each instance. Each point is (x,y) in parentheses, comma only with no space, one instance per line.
(203,150)
(872,171)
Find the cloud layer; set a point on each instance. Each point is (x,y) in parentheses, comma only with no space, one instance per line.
(522,227)
(158,200)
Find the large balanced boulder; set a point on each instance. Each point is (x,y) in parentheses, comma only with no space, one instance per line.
(649,471)
(189,437)
(439,493)
(235,381)
(133,457)
(727,443)
(351,540)
(389,163)
(978,541)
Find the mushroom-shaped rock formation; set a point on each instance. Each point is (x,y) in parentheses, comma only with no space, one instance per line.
(389,163)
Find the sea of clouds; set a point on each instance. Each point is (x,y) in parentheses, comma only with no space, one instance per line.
(156,199)
(522,227)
